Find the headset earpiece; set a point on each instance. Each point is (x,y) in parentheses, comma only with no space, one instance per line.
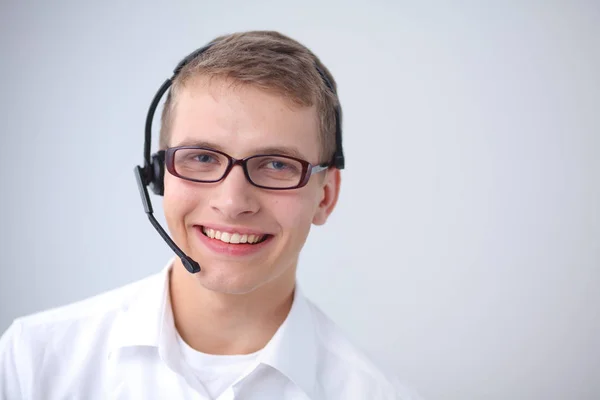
(157,171)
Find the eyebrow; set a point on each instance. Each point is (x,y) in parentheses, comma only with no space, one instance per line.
(200,143)
(284,151)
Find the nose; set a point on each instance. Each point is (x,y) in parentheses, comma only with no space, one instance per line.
(234,196)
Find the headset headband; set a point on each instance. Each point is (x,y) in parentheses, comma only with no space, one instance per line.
(338,157)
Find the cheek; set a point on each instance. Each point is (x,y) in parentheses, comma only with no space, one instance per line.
(178,201)
(294,214)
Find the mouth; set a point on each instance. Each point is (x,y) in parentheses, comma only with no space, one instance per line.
(234,237)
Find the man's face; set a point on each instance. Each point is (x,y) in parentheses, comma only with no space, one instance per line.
(243,121)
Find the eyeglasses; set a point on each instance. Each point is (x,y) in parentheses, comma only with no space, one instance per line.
(267,171)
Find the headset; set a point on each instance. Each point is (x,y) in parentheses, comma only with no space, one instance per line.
(152,174)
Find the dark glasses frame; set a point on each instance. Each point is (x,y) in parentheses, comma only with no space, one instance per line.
(308,169)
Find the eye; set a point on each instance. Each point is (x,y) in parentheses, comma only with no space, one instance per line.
(277,165)
(280,165)
(204,158)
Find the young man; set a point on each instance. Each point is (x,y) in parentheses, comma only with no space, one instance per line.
(239,328)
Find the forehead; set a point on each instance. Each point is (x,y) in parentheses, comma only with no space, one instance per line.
(241,119)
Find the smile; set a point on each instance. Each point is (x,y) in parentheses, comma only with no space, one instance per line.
(233,237)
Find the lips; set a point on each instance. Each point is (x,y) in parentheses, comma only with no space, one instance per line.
(233,237)
(225,244)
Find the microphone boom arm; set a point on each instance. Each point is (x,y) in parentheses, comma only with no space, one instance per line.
(189,264)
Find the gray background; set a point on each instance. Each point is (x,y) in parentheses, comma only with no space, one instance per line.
(464,254)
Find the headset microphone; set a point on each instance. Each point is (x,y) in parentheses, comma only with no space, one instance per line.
(189,264)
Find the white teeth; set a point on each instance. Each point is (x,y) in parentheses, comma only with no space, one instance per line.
(234,238)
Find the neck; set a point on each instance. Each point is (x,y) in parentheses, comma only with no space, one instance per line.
(222,323)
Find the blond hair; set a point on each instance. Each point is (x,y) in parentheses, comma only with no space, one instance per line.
(269,61)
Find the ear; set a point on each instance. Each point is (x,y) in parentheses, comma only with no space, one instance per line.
(329,192)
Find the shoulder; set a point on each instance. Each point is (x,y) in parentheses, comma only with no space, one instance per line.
(44,355)
(54,338)
(84,314)
(346,371)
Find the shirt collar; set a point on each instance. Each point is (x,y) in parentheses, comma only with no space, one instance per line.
(147,320)
(293,348)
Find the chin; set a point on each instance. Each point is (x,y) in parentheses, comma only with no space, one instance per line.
(229,283)
(240,279)
(229,287)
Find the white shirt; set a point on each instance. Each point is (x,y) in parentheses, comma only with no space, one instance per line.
(123,345)
(216,372)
